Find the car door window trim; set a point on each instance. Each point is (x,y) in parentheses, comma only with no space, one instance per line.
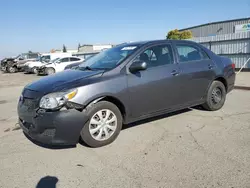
(199,49)
(130,62)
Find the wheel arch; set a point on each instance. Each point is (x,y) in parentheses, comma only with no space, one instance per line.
(113,100)
(222,80)
(218,78)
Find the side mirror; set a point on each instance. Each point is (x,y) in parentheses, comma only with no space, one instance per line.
(138,66)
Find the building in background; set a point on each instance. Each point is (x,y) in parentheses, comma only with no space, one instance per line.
(92,48)
(60,51)
(230,38)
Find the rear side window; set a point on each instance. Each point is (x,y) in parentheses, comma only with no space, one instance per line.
(189,53)
(64,60)
(204,54)
(74,59)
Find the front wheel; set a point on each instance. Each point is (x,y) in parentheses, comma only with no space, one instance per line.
(50,71)
(34,70)
(12,69)
(216,96)
(103,126)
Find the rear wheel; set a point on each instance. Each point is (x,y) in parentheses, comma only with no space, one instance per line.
(103,126)
(216,96)
(50,71)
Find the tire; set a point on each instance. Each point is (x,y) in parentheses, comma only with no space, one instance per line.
(50,71)
(34,70)
(216,96)
(12,69)
(4,69)
(93,140)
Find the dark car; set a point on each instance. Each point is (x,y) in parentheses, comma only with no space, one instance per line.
(124,84)
(7,62)
(12,65)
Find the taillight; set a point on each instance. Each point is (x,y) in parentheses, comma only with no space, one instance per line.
(233,65)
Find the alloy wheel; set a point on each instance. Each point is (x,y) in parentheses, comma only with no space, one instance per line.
(216,95)
(103,124)
(12,69)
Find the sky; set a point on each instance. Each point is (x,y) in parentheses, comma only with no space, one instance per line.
(42,25)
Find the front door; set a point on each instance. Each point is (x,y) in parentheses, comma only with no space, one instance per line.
(62,64)
(157,87)
(197,72)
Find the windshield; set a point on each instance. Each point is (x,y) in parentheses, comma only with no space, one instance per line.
(38,59)
(110,58)
(17,57)
(54,60)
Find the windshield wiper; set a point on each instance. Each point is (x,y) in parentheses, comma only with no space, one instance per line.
(85,68)
(92,69)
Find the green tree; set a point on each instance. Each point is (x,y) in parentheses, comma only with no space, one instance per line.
(173,34)
(177,35)
(64,49)
(186,34)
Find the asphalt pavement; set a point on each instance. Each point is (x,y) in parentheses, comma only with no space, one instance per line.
(191,148)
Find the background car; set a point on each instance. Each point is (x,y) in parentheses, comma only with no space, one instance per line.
(73,65)
(8,61)
(13,65)
(31,66)
(58,65)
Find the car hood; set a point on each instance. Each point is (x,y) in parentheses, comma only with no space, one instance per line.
(62,81)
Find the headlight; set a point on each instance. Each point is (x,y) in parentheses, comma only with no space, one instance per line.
(57,100)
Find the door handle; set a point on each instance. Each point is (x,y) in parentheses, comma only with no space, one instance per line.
(175,73)
(210,66)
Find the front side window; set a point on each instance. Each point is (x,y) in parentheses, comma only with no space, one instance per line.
(157,55)
(110,58)
(55,60)
(188,53)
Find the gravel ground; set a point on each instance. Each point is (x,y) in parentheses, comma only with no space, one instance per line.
(191,148)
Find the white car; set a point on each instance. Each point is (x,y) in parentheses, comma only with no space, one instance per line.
(32,66)
(58,65)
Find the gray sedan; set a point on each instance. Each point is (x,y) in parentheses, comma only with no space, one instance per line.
(124,84)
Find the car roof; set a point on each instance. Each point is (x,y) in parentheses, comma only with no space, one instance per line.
(148,42)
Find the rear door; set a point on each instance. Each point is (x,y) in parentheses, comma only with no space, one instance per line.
(197,72)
